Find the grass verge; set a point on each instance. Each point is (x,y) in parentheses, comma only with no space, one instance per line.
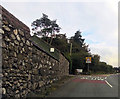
(51,88)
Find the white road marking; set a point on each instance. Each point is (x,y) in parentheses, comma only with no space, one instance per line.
(108,84)
(105,77)
(94,78)
(91,78)
(82,78)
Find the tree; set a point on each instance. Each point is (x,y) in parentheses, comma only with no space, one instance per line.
(45,27)
(61,44)
(78,38)
(96,59)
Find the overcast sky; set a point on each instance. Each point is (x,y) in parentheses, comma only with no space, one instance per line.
(97,20)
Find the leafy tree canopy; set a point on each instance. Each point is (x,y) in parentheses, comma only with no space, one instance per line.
(45,27)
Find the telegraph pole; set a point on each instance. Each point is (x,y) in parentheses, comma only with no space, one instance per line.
(70,49)
(88,67)
(70,56)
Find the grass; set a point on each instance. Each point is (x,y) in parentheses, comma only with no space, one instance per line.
(57,85)
(97,73)
(45,47)
(54,86)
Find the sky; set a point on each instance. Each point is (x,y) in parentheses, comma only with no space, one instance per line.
(96,19)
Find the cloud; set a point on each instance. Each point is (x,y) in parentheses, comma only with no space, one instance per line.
(96,20)
(108,54)
(59,0)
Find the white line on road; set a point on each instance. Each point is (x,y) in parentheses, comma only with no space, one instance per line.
(105,77)
(95,78)
(108,84)
(82,78)
(101,79)
(91,78)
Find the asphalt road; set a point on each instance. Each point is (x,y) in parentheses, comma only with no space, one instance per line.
(89,86)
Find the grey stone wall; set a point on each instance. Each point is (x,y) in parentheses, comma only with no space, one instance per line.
(25,68)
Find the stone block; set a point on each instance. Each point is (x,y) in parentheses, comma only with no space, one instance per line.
(17,91)
(28,43)
(21,33)
(5,22)
(35,71)
(7,39)
(18,38)
(16,42)
(11,46)
(3,91)
(41,83)
(13,36)
(3,44)
(15,32)
(21,44)
(6,28)
(1,31)
(23,39)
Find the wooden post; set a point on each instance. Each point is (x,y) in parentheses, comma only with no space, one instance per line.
(70,49)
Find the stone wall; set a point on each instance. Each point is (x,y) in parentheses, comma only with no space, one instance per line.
(25,68)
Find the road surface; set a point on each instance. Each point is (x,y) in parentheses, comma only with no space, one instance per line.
(89,86)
